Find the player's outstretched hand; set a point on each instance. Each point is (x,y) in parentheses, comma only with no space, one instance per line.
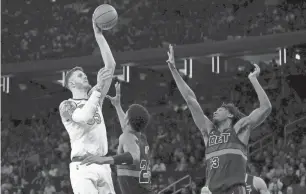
(116,99)
(171,61)
(205,190)
(92,159)
(96,28)
(255,73)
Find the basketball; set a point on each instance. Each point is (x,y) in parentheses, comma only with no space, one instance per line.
(105,16)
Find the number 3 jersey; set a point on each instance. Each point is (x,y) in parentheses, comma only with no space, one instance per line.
(87,137)
(226,159)
(136,178)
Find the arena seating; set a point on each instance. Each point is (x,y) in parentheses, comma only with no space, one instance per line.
(37,32)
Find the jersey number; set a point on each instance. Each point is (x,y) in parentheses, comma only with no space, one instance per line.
(145,172)
(214,162)
(96,118)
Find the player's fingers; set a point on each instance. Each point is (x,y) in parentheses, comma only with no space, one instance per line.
(108,97)
(255,65)
(89,163)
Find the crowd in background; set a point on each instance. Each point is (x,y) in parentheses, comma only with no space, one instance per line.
(36,151)
(51,29)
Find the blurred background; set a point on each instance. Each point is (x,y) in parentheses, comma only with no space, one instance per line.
(216,43)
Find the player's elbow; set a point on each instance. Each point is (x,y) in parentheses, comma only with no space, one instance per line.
(79,117)
(267,109)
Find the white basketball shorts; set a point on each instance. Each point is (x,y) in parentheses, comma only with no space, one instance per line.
(92,179)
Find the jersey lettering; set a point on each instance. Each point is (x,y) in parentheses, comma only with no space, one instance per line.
(96,118)
(218,139)
(214,162)
(145,172)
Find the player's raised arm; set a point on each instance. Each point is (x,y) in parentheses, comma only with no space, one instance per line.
(260,114)
(260,185)
(106,54)
(116,102)
(202,122)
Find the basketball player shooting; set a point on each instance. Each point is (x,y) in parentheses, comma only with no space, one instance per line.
(84,122)
(133,156)
(255,185)
(226,137)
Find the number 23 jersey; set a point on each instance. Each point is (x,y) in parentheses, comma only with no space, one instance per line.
(226,159)
(136,178)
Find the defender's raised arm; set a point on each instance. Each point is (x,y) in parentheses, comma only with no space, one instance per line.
(117,104)
(202,122)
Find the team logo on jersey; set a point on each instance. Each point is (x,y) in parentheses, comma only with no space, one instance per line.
(218,139)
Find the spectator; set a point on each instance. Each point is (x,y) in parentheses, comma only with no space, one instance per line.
(182,165)
(301,187)
(159,166)
(290,178)
(6,168)
(49,188)
(275,187)
(289,190)
(6,184)
(32,191)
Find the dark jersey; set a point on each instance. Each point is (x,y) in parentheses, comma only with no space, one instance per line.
(226,158)
(136,178)
(250,189)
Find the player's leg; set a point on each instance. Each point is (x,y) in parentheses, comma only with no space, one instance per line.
(82,181)
(105,183)
(125,187)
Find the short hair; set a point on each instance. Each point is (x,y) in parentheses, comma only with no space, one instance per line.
(234,111)
(69,74)
(138,117)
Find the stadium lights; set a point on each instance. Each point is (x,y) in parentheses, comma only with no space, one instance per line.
(215,60)
(125,76)
(5,83)
(282,53)
(187,70)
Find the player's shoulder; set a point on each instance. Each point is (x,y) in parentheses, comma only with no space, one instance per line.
(67,103)
(66,108)
(242,124)
(127,136)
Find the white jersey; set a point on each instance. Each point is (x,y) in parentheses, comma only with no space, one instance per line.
(87,138)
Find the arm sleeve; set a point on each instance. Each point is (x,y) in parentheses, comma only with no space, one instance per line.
(69,110)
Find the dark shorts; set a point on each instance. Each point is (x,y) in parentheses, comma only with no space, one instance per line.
(237,189)
(130,185)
